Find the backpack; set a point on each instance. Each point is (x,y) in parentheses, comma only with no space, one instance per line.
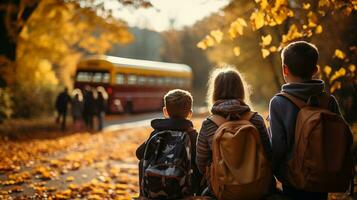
(167,171)
(322,158)
(239,169)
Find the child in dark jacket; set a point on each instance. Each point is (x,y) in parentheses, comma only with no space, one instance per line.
(299,64)
(177,111)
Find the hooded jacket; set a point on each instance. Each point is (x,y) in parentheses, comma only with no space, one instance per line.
(230,109)
(174,124)
(282,118)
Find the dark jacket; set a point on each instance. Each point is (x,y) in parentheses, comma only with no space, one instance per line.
(62,101)
(231,109)
(282,119)
(175,125)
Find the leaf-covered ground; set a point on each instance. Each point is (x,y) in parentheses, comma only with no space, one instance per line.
(81,165)
(76,166)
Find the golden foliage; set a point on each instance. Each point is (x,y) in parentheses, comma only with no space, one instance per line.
(340,54)
(270,20)
(266,40)
(236,27)
(56,35)
(236,51)
(265,53)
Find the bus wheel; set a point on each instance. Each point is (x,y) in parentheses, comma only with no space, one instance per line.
(128,107)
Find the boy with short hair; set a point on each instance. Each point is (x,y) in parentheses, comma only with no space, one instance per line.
(177,111)
(299,64)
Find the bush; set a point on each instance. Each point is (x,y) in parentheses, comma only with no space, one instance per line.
(5,104)
(33,102)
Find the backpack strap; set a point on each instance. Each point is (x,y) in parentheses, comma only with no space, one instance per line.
(298,102)
(323,100)
(219,120)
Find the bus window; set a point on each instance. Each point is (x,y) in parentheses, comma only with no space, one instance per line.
(160,81)
(169,81)
(97,77)
(132,79)
(120,79)
(142,80)
(106,77)
(84,77)
(151,81)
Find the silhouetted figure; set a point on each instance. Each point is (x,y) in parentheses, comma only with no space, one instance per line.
(61,106)
(88,107)
(77,108)
(101,104)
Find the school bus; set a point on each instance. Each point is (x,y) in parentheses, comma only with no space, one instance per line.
(132,85)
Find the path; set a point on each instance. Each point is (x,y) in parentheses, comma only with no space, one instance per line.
(82,165)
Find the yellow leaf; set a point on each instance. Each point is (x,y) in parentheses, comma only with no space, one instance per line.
(273,49)
(201,45)
(292,34)
(257,19)
(306,6)
(70,178)
(266,40)
(236,27)
(265,53)
(323,3)
(339,54)
(263,4)
(217,35)
(242,21)
(236,51)
(312,19)
(341,72)
(352,67)
(209,41)
(327,70)
(335,86)
(318,29)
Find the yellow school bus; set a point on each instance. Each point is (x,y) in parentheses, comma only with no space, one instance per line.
(133,85)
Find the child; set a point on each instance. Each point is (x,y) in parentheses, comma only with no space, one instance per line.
(228,97)
(299,65)
(177,111)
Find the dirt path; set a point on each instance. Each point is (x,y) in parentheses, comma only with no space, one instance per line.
(82,165)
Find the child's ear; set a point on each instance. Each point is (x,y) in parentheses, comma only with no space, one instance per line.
(189,116)
(315,73)
(285,70)
(164,111)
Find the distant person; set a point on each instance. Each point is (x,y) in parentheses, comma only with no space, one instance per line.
(62,101)
(89,107)
(77,109)
(311,142)
(101,106)
(233,146)
(167,167)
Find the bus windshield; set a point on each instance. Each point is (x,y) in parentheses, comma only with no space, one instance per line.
(92,77)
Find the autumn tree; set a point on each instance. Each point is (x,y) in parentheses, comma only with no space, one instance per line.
(271,25)
(48,43)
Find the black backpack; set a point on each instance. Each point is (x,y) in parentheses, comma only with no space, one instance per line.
(167,171)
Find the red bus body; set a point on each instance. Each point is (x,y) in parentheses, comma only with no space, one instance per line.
(132,85)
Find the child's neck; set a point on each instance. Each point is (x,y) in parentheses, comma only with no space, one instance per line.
(296,80)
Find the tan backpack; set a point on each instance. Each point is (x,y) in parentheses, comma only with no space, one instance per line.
(322,158)
(239,168)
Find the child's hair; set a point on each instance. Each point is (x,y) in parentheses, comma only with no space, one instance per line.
(301,58)
(226,82)
(178,103)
